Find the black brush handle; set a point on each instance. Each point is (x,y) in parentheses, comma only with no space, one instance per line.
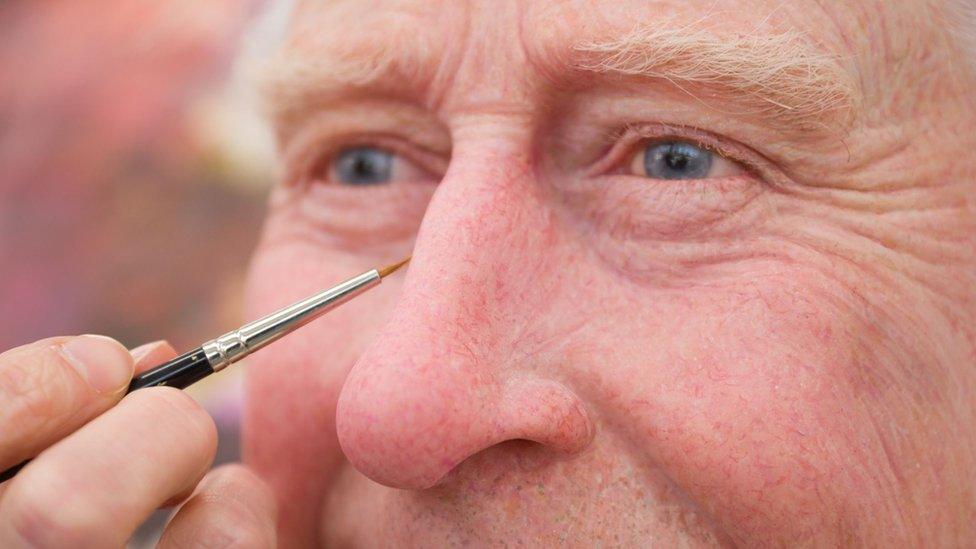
(181,372)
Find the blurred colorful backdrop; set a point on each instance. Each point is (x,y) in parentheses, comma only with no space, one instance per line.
(133,173)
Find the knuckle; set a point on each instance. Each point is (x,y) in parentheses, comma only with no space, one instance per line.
(252,537)
(179,407)
(238,476)
(212,526)
(34,391)
(23,389)
(231,510)
(238,536)
(42,518)
(245,488)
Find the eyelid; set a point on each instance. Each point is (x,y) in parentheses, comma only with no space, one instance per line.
(304,156)
(630,137)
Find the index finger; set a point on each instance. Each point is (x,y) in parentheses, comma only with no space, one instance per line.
(153,354)
(54,386)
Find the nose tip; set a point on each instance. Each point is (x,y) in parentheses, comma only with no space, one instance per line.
(439,383)
(407,424)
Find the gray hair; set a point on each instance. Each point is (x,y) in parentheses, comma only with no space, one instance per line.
(269,31)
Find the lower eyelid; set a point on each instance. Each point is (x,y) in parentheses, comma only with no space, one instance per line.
(631,207)
(350,216)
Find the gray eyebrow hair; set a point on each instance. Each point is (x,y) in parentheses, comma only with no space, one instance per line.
(287,81)
(780,75)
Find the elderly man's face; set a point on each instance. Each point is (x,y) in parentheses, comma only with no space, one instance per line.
(690,273)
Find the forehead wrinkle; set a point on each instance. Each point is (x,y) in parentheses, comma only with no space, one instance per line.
(903,46)
(779,75)
(379,52)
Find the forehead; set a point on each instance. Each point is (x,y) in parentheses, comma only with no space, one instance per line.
(431,39)
(538,24)
(460,56)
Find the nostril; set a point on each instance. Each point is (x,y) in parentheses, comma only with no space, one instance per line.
(405,431)
(481,472)
(408,424)
(547,412)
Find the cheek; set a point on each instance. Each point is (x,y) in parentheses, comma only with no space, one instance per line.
(751,396)
(292,386)
(321,353)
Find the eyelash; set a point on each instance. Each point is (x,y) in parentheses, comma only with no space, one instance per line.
(632,137)
(313,157)
(316,156)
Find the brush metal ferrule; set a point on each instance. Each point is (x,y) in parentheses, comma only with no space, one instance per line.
(235,345)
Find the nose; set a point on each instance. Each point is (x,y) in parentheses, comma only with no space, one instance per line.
(449,375)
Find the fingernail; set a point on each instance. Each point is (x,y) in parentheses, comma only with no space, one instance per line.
(103,362)
(143,351)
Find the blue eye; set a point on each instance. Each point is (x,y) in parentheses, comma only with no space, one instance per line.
(677,160)
(363,166)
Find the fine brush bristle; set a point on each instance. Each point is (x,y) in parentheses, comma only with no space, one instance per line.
(392,268)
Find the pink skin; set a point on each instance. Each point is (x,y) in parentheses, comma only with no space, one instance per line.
(581,355)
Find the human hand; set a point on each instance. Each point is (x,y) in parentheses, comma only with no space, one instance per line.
(104,462)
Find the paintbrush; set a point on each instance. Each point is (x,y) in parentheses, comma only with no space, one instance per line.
(217,354)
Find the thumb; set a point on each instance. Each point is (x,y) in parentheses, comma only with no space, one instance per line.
(232,507)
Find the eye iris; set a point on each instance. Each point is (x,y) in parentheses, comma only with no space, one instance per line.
(676,160)
(364,166)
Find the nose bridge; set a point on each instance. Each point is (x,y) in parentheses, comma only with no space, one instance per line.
(478,256)
(488,194)
(438,384)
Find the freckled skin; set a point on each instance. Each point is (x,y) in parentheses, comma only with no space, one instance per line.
(610,362)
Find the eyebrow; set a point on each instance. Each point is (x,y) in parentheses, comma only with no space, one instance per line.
(778,76)
(288,81)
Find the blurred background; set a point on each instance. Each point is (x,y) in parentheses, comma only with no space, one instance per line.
(133,175)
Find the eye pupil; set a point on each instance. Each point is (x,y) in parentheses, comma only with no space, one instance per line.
(676,160)
(363,166)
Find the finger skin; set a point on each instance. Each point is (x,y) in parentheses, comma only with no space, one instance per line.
(153,354)
(44,399)
(231,508)
(97,485)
